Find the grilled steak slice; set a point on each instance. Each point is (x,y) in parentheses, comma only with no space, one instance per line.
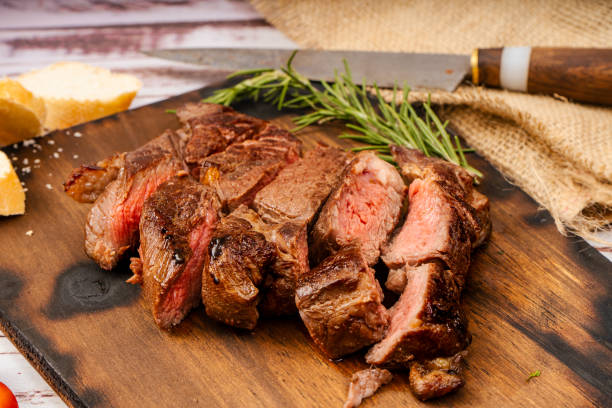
(301,188)
(364,384)
(433,229)
(112,223)
(435,378)
(200,110)
(87,182)
(239,172)
(239,258)
(362,210)
(212,128)
(454,181)
(175,229)
(290,262)
(340,304)
(426,321)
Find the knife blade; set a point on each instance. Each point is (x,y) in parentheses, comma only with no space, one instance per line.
(443,71)
(580,74)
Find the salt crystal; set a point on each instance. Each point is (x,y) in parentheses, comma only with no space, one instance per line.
(77,134)
(15,145)
(59,149)
(25,189)
(56,155)
(25,162)
(26,170)
(48,186)
(51,142)
(29,233)
(28,142)
(36,161)
(14,158)
(76,156)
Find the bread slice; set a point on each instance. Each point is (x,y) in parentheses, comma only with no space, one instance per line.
(21,113)
(12,197)
(75,92)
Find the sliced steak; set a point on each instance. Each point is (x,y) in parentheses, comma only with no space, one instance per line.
(364,384)
(426,321)
(433,229)
(340,304)
(88,181)
(300,189)
(239,258)
(290,262)
(361,211)
(454,181)
(212,128)
(243,169)
(175,229)
(112,223)
(435,378)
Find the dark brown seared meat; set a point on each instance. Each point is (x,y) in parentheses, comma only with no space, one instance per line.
(364,384)
(433,229)
(243,169)
(300,189)
(426,322)
(112,223)
(361,211)
(200,110)
(454,181)
(88,181)
(290,262)
(435,378)
(340,304)
(213,132)
(175,229)
(239,258)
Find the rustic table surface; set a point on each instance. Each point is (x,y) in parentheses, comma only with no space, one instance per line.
(110,34)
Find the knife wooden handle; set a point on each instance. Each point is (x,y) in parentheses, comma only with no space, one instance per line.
(580,74)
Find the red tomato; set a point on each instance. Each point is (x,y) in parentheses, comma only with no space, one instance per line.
(7,399)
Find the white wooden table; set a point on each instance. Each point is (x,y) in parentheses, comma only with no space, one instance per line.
(111,34)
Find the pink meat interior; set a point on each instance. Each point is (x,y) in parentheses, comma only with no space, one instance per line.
(403,314)
(361,207)
(126,214)
(186,290)
(424,231)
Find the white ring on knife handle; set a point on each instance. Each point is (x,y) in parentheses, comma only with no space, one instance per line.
(514,68)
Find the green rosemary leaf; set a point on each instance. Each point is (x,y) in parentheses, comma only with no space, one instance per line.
(170,110)
(375,122)
(536,373)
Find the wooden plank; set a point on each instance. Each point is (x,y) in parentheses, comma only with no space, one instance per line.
(535,300)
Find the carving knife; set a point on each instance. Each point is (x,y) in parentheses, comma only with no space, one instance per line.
(579,74)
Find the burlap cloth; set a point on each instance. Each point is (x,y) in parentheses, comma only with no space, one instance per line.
(560,153)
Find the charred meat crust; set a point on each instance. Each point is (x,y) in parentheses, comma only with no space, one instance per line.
(436,378)
(243,169)
(112,223)
(300,189)
(290,262)
(175,229)
(426,322)
(88,181)
(340,303)
(362,210)
(239,259)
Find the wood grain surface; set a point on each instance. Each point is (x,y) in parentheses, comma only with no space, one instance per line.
(535,301)
(578,74)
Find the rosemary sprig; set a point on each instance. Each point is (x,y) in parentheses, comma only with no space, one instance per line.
(378,125)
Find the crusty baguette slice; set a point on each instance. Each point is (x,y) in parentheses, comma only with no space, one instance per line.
(75,92)
(21,113)
(12,197)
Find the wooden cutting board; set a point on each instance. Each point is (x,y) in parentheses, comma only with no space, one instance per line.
(535,301)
